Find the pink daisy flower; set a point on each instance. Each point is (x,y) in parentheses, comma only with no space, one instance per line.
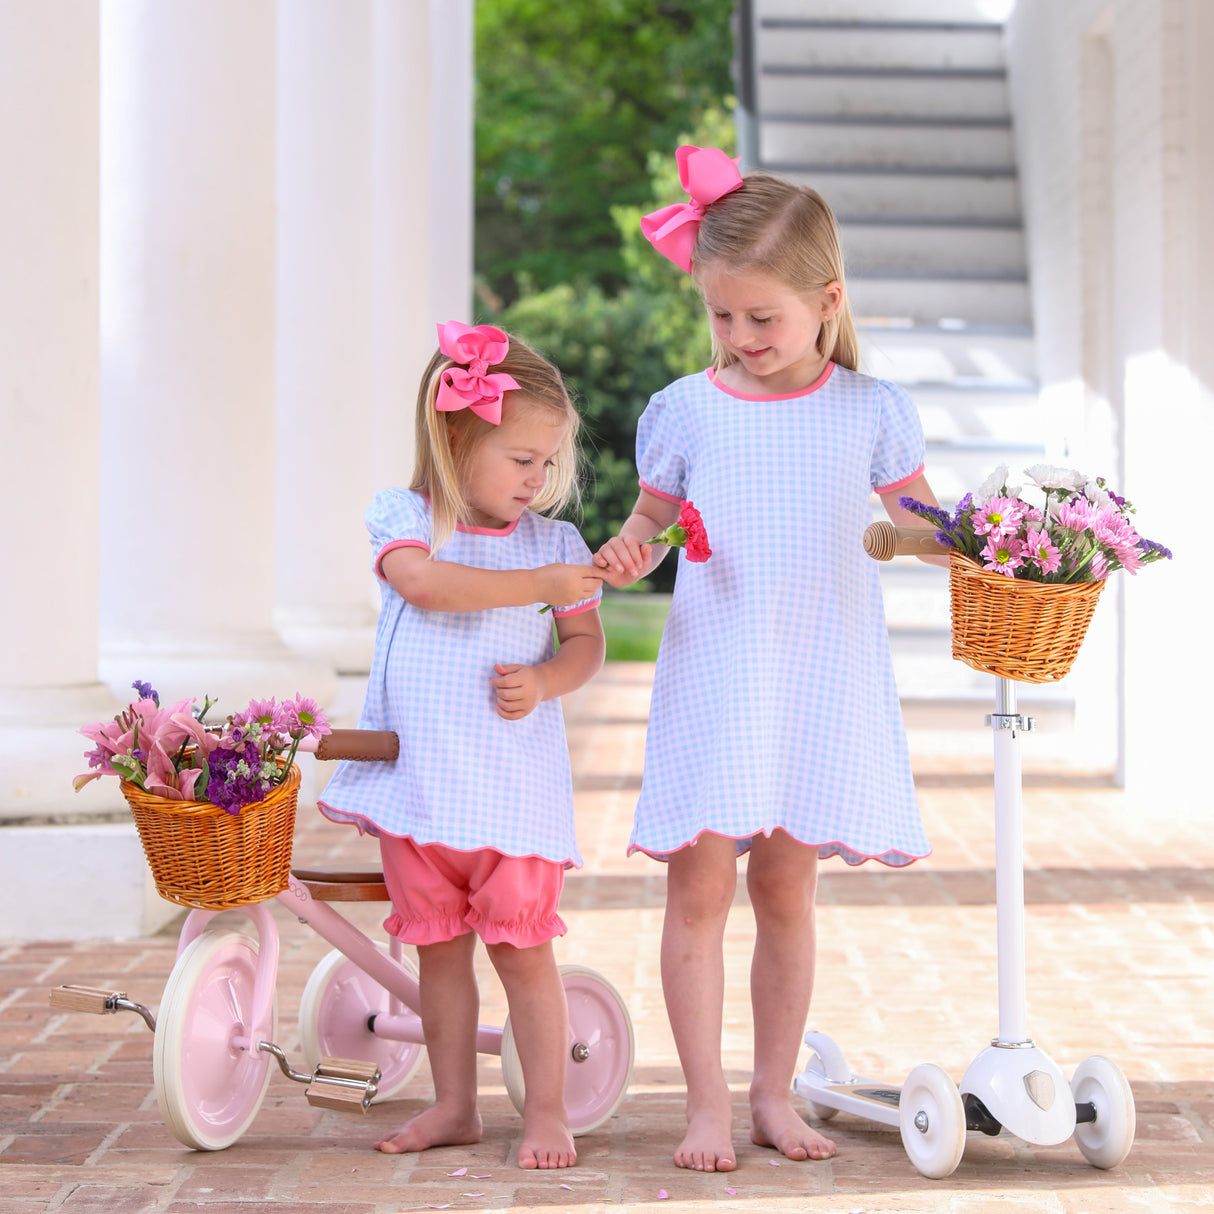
(1003,554)
(259,712)
(999,516)
(302,718)
(1076,514)
(1041,551)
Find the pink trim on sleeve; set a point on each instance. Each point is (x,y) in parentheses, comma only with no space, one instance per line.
(666,497)
(906,480)
(562,612)
(383,552)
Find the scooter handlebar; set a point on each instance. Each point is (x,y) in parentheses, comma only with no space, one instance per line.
(883,541)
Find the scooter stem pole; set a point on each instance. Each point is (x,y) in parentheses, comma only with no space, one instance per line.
(1009,865)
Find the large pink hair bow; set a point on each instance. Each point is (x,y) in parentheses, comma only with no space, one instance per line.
(472,386)
(707,174)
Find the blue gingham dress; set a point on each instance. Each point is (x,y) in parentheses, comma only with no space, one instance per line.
(465,777)
(774,702)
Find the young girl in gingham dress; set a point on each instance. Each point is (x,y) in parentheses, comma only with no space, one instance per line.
(775,727)
(475,818)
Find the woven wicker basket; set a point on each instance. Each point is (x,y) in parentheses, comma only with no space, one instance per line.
(203,857)
(1028,631)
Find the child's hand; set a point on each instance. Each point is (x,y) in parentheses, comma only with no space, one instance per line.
(623,560)
(564,585)
(519,689)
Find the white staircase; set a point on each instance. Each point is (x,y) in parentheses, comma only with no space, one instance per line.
(897,112)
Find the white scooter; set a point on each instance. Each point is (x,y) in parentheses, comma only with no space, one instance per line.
(1012,1084)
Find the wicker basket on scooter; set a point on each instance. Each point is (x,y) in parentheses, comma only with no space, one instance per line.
(202,856)
(1029,631)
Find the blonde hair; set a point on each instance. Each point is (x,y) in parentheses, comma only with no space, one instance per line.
(441,465)
(775,227)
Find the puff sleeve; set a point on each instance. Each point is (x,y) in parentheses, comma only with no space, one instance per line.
(661,450)
(397,518)
(898,447)
(572,550)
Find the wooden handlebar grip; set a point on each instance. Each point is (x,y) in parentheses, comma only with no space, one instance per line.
(883,541)
(371,744)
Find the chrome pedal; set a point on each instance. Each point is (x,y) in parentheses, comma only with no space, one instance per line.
(97,1001)
(345,1084)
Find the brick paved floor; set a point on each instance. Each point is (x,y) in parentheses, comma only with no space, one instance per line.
(1120,939)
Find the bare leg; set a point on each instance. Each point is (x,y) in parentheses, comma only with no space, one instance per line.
(700,884)
(450,1008)
(782,879)
(539,1019)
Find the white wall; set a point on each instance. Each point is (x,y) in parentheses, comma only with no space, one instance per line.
(1112,101)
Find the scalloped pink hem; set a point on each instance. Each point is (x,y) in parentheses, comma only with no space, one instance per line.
(891,858)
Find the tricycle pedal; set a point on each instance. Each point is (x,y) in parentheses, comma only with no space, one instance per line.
(97,1001)
(345,1084)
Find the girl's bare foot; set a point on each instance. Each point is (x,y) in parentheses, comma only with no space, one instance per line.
(547,1142)
(436,1127)
(779,1125)
(708,1144)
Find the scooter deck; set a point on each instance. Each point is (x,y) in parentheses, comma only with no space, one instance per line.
(870,1098)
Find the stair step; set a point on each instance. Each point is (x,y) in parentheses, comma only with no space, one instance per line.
(994,356)
(873,194)
(893,44)
(953,415)
(893,246)
(864,143)
(919,298)
(887,10)
(888,95)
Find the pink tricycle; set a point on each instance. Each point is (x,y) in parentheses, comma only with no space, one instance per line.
(359,1026)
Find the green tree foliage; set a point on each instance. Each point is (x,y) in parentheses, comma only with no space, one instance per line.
(571,97)
(616,349)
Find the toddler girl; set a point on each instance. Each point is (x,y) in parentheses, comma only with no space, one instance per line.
(475,818)
(775,726)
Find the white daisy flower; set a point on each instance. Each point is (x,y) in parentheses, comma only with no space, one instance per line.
(992,484)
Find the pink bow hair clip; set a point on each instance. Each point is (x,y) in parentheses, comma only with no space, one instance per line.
(471,386)
(707,174)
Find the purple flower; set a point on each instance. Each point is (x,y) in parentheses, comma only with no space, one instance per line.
(145,692)
(236,779)
(1151,551)
(933,514)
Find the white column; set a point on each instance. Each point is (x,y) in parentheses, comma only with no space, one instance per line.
(374,247)
(451,157)
(189,541)
(48,490)
(326,330)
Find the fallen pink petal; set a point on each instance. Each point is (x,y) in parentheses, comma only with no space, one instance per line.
(459,1172)
(662,1195)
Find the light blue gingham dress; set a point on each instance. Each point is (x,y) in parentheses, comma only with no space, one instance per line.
(465,777)
(774,702)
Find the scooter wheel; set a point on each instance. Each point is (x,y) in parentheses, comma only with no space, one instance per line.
(602,1048)
(1106,1141)
(931,1118)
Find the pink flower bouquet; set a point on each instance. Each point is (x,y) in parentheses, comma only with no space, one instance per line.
(1080,533)
(170,753)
